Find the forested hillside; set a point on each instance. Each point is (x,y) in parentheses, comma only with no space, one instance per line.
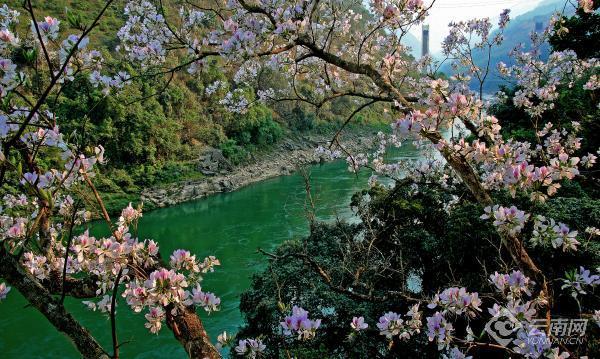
(156,129)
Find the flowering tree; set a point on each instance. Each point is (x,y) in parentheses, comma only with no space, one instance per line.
(341,52)
(49,190)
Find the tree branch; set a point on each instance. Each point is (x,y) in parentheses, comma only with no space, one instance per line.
(189,331)
(51,308)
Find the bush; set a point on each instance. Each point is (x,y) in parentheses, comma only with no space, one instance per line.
(256,128)
(301,120)
(234,153)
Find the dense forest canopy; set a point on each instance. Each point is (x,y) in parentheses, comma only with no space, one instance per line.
(478,248)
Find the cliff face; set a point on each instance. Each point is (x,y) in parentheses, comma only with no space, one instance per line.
(282,161)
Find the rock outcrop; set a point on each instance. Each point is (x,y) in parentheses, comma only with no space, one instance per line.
(212,161)
(284,159)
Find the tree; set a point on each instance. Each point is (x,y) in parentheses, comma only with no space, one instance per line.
(47,181)
(578,32)
(416,238)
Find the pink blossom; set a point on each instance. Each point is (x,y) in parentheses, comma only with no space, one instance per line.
(7,36)
(457,301)
(208,301)
(299,323)
(128,214)
(587,6)
(250,348)
(439,329)
(513,284)
(154,317)
(358,324)
(389,12)
(182,259)
(414,4)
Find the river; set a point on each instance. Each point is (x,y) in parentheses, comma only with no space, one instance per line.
(230,226)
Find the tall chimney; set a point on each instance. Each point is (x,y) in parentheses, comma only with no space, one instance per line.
(425,48)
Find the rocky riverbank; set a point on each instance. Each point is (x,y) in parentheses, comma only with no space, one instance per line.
(221,177)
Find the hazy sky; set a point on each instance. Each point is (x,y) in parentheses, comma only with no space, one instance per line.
(445,11)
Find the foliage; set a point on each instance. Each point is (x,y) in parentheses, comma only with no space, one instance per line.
(415,229)
(578,33)
(235,153)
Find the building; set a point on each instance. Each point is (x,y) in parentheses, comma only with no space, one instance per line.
(425,41)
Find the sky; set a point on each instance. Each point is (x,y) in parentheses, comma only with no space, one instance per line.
(445,11)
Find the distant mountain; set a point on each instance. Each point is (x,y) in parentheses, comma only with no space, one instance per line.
(518,31)
(411,41)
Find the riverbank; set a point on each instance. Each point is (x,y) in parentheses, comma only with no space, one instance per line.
(283,159)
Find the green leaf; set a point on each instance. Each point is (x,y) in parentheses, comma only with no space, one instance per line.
(74,19)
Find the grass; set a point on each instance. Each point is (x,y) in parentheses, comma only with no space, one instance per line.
(103,35)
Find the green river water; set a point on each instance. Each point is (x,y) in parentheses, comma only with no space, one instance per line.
(230,226)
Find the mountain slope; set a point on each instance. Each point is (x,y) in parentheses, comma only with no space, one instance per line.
(517,32)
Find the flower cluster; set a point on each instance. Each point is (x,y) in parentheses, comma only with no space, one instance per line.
(531,342)
(558,235)
(107,83)
(299,324)
(539,81)
(184,260)
(587,6)
(440,330)
(327,154)
(458,301)
(509,220)
(129,215)
(104,305)
(48,28)
(206,300)
(358,324)
(154,319)
(578,282)
(512,285)
(163,288)
(250,348)
(524,334)
(106,258)
(392,325)
(145,34)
